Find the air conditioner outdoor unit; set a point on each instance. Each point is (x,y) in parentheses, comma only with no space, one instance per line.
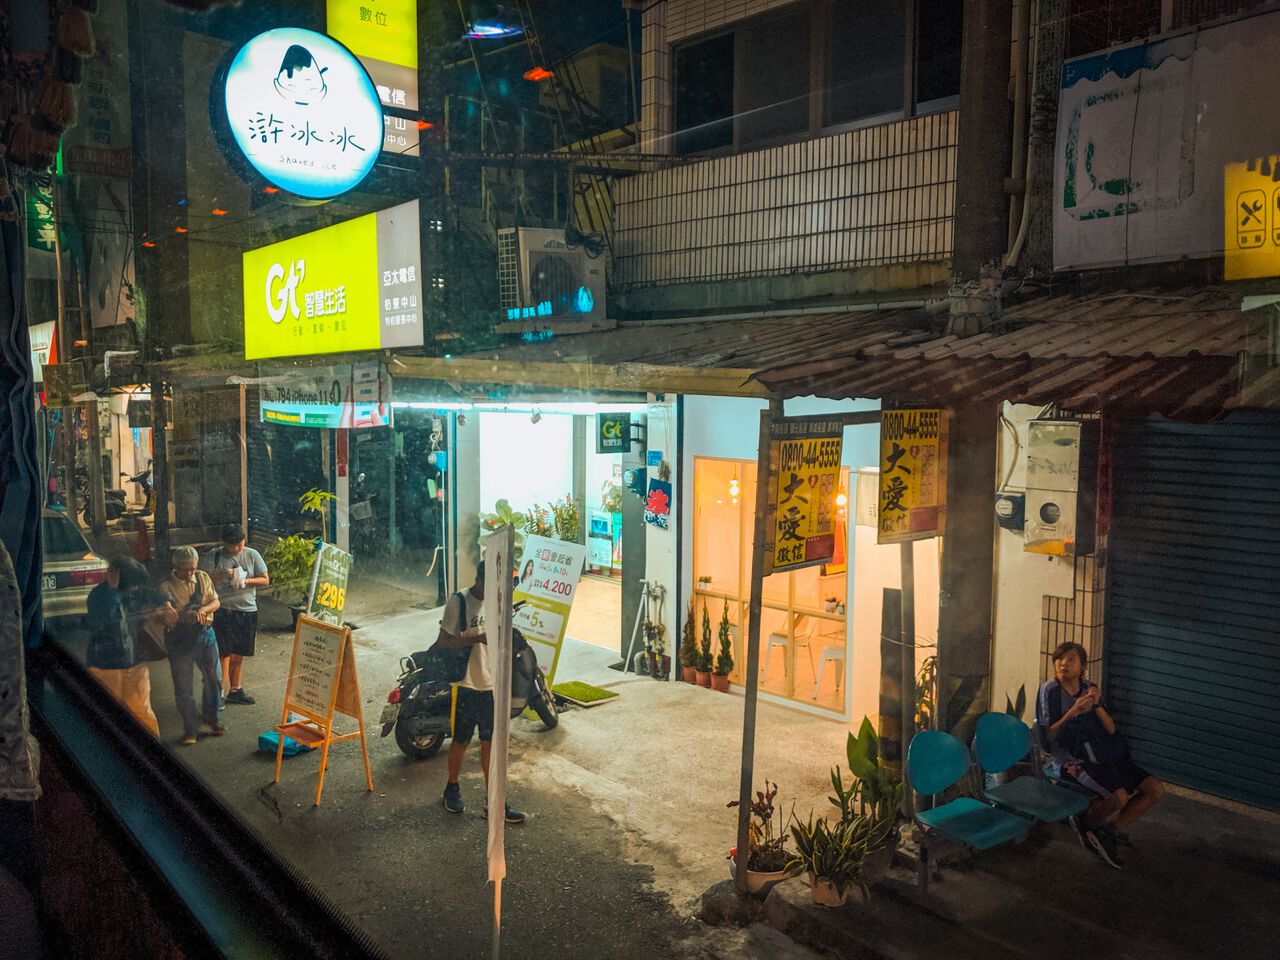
(541,278)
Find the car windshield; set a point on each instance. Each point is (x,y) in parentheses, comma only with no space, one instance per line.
(62,541)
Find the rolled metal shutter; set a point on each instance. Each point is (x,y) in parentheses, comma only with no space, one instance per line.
(1193,618)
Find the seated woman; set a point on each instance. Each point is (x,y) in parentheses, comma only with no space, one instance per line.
(1081,736)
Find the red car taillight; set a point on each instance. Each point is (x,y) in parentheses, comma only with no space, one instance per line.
(81,578)
(394,696)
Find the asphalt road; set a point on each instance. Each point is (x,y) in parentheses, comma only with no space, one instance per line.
(413,875)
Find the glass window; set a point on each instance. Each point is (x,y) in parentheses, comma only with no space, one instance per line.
(704,95)
(865,64)
(938,59)
(803,617)
(772,74)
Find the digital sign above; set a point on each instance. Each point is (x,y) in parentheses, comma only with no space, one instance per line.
(354,286)
(303,112)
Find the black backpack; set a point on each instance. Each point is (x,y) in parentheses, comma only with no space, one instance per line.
(447,664)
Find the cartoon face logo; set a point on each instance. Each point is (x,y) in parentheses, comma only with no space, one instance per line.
(284,297)
(300,79)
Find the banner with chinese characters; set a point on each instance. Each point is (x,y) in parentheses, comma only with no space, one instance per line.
(343,396)
(549,571)
(327,597)
(804,480)
(354,286)
(912,478)
(383,34)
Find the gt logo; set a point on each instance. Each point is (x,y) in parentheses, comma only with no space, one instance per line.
(284,297)
(612,429)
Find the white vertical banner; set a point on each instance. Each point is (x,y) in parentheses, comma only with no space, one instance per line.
(497,552)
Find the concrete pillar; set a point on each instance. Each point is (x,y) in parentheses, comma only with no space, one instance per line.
(462,504)
(982,149)
(968,557)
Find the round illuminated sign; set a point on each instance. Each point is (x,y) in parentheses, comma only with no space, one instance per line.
(304,112)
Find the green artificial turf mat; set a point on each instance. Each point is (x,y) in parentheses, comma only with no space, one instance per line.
(583,694)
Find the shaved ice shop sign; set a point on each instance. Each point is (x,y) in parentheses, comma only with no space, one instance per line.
(303,112)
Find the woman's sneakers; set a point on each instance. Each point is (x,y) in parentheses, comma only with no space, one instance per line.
(1103,842)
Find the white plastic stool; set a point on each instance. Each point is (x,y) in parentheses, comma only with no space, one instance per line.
(780,640)
(833,654)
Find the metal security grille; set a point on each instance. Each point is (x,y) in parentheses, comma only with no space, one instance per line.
(1187,13)
(1193,621)
(879,195)
(1075,619)
(509,292)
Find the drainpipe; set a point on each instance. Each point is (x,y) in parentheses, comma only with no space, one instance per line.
(1023,144)
(1018,77)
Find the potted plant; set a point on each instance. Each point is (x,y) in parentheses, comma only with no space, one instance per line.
(767,854)
(538,523)
(291,561)
(610,497)
(689,645)
(724,660)
(873,800)
(568,519)
(833,855)
(504,516)
(316,501)
(703,666)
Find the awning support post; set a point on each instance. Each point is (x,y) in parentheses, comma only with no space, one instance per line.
(753,647)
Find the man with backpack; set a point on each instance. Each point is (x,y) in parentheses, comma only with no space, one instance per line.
(462,626)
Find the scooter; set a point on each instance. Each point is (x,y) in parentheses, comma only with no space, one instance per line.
(419,707)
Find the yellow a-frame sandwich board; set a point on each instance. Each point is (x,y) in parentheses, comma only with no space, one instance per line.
(322,682)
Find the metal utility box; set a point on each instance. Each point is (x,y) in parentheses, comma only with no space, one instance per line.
(1062,470)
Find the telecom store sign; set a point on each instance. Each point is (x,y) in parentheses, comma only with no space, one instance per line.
(354,286)
(304,112)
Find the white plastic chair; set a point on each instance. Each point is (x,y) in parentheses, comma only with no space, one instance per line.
(832,653)
(804,637)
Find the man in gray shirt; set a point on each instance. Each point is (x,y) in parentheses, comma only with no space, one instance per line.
(237,570)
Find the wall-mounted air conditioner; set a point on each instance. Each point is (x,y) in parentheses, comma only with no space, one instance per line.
(1062,469)
(541,278)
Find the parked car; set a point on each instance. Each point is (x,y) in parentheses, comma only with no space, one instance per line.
(71,568)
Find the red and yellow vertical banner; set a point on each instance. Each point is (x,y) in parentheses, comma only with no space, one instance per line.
(804,480)
(912,474)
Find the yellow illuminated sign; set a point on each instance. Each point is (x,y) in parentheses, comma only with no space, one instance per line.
(804,479)
(911,475)
(1251,219)
(354,286)
(316,293)
(385,30)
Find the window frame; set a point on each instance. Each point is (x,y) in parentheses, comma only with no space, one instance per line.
(820,13)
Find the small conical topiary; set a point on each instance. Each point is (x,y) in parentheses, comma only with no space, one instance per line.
(724,660)
(704,656)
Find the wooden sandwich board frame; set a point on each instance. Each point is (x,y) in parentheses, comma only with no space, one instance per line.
(322,682)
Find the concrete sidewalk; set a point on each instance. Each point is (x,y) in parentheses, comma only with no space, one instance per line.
(627,800)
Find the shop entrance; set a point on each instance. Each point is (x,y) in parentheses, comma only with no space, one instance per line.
(545,467)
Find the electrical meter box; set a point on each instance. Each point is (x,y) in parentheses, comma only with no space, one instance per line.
(1062,498)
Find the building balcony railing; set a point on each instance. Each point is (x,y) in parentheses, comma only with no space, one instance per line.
(861,198)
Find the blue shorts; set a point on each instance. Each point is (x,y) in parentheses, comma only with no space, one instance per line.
(474,711)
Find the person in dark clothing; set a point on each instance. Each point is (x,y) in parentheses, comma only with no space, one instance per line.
(111,659)
(1082,738)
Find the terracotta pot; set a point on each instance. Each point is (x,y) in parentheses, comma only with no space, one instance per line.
(719,682)
(824,892)
(704,679)
(688,674)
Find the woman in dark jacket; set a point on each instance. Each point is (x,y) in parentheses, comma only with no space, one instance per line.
(112,608)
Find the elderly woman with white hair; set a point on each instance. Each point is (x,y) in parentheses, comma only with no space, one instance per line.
(191,643)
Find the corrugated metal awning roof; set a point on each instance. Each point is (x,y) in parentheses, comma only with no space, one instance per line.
(1181,353)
